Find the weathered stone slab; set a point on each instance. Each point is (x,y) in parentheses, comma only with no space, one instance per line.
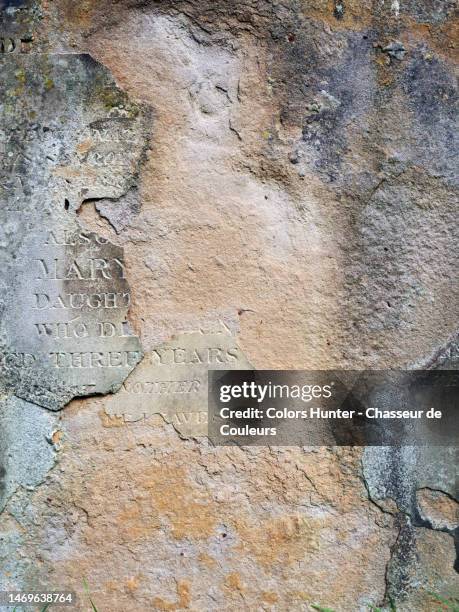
(68,135)
(172,381)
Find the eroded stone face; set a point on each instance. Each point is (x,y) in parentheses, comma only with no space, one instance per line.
(300,189)
(68,135)
(172,381)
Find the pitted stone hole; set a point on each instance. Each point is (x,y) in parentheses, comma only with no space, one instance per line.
(224,535)
(66,204)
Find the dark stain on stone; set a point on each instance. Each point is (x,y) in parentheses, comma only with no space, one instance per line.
(4,4)
(431,90)
(456,545)
(432,96)
(343,101)
(2,479)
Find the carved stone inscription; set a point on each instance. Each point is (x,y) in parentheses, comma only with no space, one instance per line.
(172,381)
(68,134)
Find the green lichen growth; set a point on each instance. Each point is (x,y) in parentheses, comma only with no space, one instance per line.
(111,98)
(20,76)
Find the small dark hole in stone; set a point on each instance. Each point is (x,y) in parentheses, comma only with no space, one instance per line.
(224,535)
(388,303)
(66,204)
(386,249)
(45,128)
(291,37)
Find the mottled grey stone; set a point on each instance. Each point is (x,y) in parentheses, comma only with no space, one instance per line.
(24,426)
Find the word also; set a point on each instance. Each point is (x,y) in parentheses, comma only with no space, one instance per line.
(68,238)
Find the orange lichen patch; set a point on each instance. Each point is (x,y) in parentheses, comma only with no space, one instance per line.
(286,538)
(440,38)
(111,586)
(207,560)
(132,583)
(183,594)
(353,555)
(385,75)
(269,597)
(84,146)
(448,35)
(57,437)
(137,521)
(108,420)
(356,16)
(173,497)
(300,596)
(78,14)
(234,583)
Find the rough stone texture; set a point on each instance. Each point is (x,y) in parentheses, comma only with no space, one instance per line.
(301,191)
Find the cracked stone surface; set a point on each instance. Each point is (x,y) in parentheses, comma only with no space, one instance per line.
(69,134)
(283,171)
